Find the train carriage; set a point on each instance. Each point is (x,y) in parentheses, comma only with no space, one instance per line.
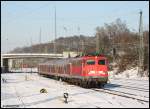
(86,71)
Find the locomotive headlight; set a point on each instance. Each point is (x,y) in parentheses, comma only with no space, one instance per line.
(92,72)
(102,72)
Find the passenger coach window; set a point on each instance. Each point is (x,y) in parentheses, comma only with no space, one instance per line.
(90,62)
(101,62)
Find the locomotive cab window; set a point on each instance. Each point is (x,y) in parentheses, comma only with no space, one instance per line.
(90,62)
(101,62)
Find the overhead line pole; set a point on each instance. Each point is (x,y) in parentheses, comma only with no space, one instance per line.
(97,42)
(79,40)
(31,54)
(40,40)
(141,48)
(31,43)
(40,36)
(55,33)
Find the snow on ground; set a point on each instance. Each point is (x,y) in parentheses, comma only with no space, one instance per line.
(23,90)
(130,74)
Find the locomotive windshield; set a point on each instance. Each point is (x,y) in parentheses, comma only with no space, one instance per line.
(101,62)
(90,62)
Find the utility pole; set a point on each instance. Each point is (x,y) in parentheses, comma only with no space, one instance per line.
(82,46)
(7,45)
(40,40)
(31,43)
(148,62)
(79,40)
(68,44)
(40,36)
(141,48)
(55,33)
(31,58)
(97,42)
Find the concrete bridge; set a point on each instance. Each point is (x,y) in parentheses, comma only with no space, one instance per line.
(6,59)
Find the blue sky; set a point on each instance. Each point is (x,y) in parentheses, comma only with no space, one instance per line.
(21,20)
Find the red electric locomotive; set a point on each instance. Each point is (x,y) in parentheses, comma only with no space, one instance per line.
(85,71)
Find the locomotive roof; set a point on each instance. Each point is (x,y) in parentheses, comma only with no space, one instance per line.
(68,60)
(87,57)
(60,61)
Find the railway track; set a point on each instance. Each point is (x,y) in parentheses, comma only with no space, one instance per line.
(19,98)
(132,83)
(128,87)
(122,94)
